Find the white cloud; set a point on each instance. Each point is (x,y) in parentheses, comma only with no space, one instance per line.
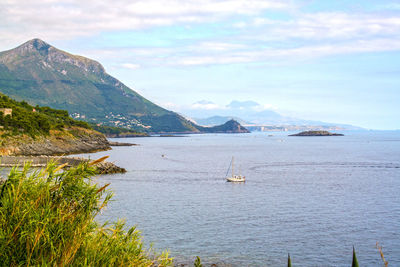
(258,39)
(130,66)
(206,105)
(263,107)
(65,19)
(217,46)
(201,55)
(303,52)
(329,25)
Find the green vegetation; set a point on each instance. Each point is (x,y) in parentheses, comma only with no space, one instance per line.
(47,218)
(110,131)
(26,119)
(197,262)
(354,262)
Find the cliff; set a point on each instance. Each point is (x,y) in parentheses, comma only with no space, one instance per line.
(68,141)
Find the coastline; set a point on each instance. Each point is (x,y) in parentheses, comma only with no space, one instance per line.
(42,161)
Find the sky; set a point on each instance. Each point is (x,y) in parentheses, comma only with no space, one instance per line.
(328,60)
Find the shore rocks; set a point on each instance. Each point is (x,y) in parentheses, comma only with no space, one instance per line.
(70,141)
(109,168)
(103,167)
(121,144)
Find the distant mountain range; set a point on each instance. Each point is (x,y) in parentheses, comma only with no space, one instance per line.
(255,117)
(217,120)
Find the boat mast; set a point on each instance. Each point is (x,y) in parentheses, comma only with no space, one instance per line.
(232,168)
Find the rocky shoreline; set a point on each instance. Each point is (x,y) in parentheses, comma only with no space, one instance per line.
(102,167)
(121,144)
(70,141)
(16,150)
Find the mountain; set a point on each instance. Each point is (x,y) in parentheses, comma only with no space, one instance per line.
(217,120)
(230,126)
(44,75)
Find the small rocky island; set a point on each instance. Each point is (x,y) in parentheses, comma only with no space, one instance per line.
(316,133)
(230,126)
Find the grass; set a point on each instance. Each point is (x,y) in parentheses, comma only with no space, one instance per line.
(47,218)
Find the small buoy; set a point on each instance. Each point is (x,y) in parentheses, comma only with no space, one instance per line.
(162,155)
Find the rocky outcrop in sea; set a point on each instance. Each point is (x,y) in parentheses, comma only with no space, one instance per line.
(316,133)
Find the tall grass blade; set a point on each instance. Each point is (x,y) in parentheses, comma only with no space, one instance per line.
(355,262)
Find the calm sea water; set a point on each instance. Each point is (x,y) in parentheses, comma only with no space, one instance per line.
(314,197)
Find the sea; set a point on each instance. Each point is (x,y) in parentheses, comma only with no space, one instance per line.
(312,197)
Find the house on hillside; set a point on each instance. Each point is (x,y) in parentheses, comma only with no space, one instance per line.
(6,111)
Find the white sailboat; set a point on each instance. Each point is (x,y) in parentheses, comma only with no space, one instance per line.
(234,178)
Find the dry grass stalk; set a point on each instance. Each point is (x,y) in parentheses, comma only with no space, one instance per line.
(98,160)
(382,256)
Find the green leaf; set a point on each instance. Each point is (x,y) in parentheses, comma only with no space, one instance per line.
(355,262)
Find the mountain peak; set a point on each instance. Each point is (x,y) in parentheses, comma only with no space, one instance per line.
(37,51)
(36,45)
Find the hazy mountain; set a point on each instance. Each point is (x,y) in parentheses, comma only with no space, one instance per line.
(230,126)
(44,75)
(217,120)
(250,113)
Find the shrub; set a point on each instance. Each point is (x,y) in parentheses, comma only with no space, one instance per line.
(47,219)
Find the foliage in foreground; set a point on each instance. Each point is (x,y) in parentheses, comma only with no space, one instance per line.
(47,219)
(197,262)
(355,261)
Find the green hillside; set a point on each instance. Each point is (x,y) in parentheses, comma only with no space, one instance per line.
(110,131)
(33,121)
(44,75)
(26,130)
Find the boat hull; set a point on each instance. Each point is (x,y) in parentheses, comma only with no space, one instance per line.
(236,179)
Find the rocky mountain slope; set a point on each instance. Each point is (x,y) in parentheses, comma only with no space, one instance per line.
(44,75)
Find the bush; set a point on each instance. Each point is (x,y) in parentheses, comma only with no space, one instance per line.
(47,219)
